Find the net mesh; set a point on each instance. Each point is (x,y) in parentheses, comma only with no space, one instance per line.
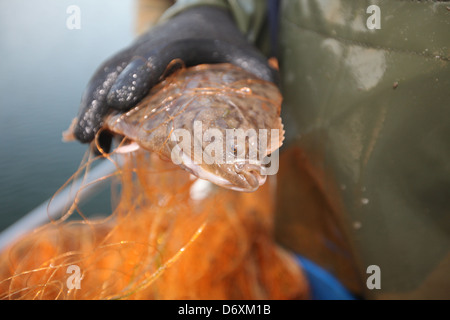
(159,242)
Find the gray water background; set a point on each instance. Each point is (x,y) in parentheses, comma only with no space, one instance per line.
(44,68)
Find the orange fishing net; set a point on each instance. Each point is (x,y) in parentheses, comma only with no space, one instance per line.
(160,242)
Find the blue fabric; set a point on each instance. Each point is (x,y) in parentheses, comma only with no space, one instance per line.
(323,285)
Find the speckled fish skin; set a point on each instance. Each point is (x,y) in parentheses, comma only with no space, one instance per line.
(220,96)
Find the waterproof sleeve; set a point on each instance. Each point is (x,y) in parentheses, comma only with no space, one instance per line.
(250,16)
(366,107)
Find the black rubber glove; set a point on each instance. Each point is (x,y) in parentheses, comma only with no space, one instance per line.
(199,35)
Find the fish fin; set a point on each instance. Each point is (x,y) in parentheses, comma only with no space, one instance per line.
(133,146)
(68,135)
(274,145)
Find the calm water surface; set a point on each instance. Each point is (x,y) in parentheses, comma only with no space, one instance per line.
(44,68)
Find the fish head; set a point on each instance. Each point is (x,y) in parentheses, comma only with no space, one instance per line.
(216,121)
(227,146)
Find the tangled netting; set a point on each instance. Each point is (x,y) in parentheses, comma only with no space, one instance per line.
(159,242)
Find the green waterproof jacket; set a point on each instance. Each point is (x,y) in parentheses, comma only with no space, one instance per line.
(365,168)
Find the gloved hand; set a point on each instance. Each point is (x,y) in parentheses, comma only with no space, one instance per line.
(199,35)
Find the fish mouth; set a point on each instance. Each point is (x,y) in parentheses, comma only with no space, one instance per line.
(246,179)
(240,176)
(252,175)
